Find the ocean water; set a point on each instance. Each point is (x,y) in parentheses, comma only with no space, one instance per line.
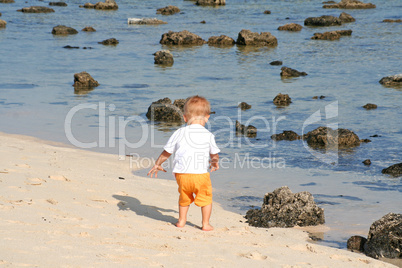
(37,97)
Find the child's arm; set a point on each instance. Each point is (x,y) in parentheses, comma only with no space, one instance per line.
(158,164)
(214,162)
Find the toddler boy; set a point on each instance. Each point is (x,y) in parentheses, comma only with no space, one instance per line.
(194,148)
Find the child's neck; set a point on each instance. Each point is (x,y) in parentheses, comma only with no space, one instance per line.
(197,121)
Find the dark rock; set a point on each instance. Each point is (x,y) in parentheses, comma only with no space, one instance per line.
(344,32)
(277,62)
(356,243)
(59,4)
(365,140)
(169,10)
(249,38)
(292,27)
(385,237)
(63,30)
(287,135)
(345,17)
(267,12)
(164,110)
(322,21)
(222,40)
(333,35)
(84,80)
(370,106)
(3,24)
(180,104)
(244,106)
(163,57)
(146,21)
(109,42)
(289,72)
(394,170)
(210,2)
(375,136)
(181,38)
(350,4)
(392,81)
(389,20)
(7,1)
(282,100)
(282,208)
(107,5)
(249,131)
(203,22)
(70,47)
(320,97)
(36,9)
(88,5)
(88,29)
(367,162)
(322,137)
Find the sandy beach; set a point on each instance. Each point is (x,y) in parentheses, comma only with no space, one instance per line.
(64,207)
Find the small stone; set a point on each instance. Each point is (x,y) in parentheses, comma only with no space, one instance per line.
(88,29)
(109,42)
(282,100)
(203,22)
(289,72)
(169,10)
(84,80)
(60,4)
(370,106)
(163,57)
(244,106)
(367,162)
(267,12)
(276,62)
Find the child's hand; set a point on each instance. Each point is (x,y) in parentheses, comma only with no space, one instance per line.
(155,169)
(214,166)
(214,162)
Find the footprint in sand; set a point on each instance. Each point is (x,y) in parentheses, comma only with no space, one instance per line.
(254,256)
(23,165)
(35,181)
(58,178)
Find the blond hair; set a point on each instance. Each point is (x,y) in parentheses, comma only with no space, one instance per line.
(196,106)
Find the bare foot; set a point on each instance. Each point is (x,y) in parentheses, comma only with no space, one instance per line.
(207,227)
(180,224)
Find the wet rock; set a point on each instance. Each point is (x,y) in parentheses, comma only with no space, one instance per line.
(7,1)
(222,40)
(244,106)
(287,135)
(249,131)
(322,21)
(63,30)
(333,35)
(370,106)
(392,81)
(365,140)
(389,20)
(84,80)
(350,4)
(282,100)
(249,38)
(203,22)
(164,110)
(71,47)
(59,4)
(267,12)
(181,38)
(292,27)
(345,17)
(144,21)
(169,10)
(109,42)
(36,9)
(289,72)
(394,170)
(276,62)
(88,29)
(107,5)
(88,5)
(323,137)
(282,208)
(356,243)
(210,2)
(180,103)
(3,24)
(320,97)
(385,237)
(163,57)
(367,162)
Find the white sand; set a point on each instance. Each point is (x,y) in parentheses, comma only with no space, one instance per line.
(63,207)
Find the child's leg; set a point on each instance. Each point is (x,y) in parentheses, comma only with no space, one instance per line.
(206,215)
(182,216)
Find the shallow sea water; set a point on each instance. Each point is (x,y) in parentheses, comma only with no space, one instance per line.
(36,95)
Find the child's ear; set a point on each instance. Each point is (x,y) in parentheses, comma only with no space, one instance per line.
(185,118)
(207,117)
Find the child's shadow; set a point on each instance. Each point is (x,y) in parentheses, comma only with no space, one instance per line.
(133,204)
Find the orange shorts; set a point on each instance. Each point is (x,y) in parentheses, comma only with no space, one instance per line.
(194,184)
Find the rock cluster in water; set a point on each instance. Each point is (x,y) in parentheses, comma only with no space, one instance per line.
(210,2)
(63,30)
(166,111)
(282,208)
(394,170)
(289,72)
(323,21)
(282,100)
(163,57)
(392,81)
(84,80)
(107,5)
(332,35)
(36,9)
(292,27)
(350,4)
(169,10)
(249,131)
(109,42)
(323,137)
(181,38)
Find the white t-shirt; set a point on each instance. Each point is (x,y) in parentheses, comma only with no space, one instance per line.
(192,146)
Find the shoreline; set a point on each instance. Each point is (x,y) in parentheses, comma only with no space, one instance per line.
(84,208)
